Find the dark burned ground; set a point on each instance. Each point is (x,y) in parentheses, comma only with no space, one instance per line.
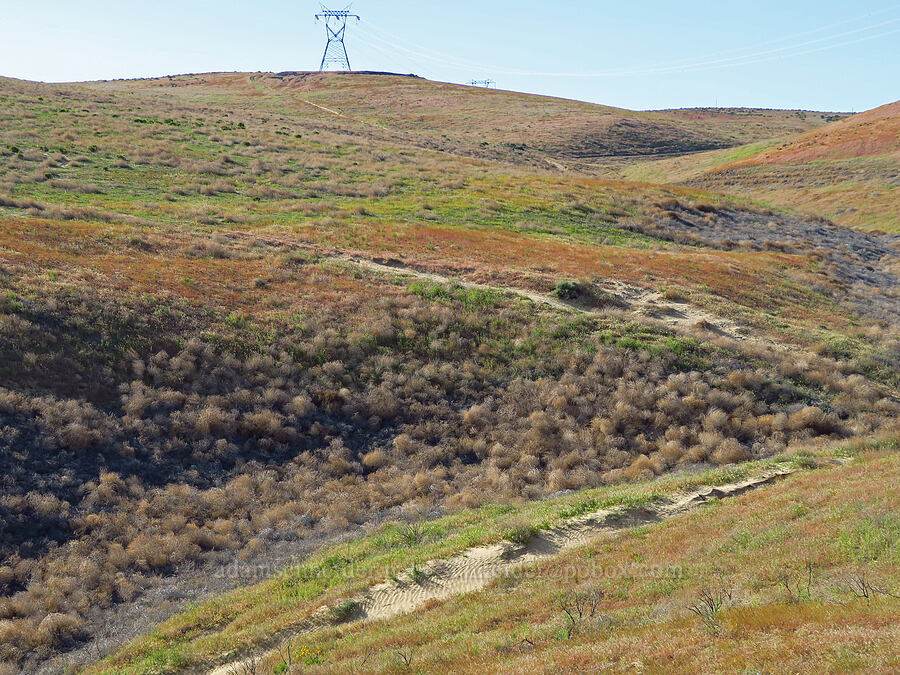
(777,176)
(860,264)
(860,192)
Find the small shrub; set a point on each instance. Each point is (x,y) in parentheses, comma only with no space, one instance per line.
(520,533)
(863,588)
(804,460)
(343,612)
(668,204)
(579,607)
(708,606)
(675,295)
(730,452)
(416,574)
(375,459)
(568,290)
(411,534)
(405,658)
(798,589)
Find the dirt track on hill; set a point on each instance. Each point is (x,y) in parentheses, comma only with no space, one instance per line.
(475,568)
(679,315)
(675,314)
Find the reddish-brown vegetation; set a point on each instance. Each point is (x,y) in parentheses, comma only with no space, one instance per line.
(193,370)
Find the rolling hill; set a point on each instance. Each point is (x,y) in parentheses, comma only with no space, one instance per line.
(872,133)
(246,318)
(847,171)
(494,124)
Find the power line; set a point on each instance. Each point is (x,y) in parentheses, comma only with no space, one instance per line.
(400,50)
(750,55)
(335,29)
(397,43)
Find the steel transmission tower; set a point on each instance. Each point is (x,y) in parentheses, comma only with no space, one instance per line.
(335,28)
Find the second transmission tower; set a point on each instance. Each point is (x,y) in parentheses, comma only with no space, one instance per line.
(335,28)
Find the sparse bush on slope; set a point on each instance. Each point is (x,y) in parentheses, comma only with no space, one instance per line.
(206,451)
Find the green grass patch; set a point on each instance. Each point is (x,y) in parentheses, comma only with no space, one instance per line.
(244,617)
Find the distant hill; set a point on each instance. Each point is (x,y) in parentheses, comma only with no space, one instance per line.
(492,123)
(872,133)
(847,171)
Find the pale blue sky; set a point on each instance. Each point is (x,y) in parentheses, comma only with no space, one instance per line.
(818,54)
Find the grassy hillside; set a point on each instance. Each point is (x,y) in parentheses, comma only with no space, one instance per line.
(235,325)
(876,132)
(514,127)
(846,171)
(791,563)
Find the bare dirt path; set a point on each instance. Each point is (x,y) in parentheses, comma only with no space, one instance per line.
(678,314)
(328,110)
(475,568)
(534,296)
(648,303)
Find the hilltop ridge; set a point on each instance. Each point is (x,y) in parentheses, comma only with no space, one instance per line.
(494,123)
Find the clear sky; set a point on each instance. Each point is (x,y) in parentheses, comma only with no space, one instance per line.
(815,54)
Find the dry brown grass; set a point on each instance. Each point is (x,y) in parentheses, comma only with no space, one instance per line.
(628,598)
(189,376)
